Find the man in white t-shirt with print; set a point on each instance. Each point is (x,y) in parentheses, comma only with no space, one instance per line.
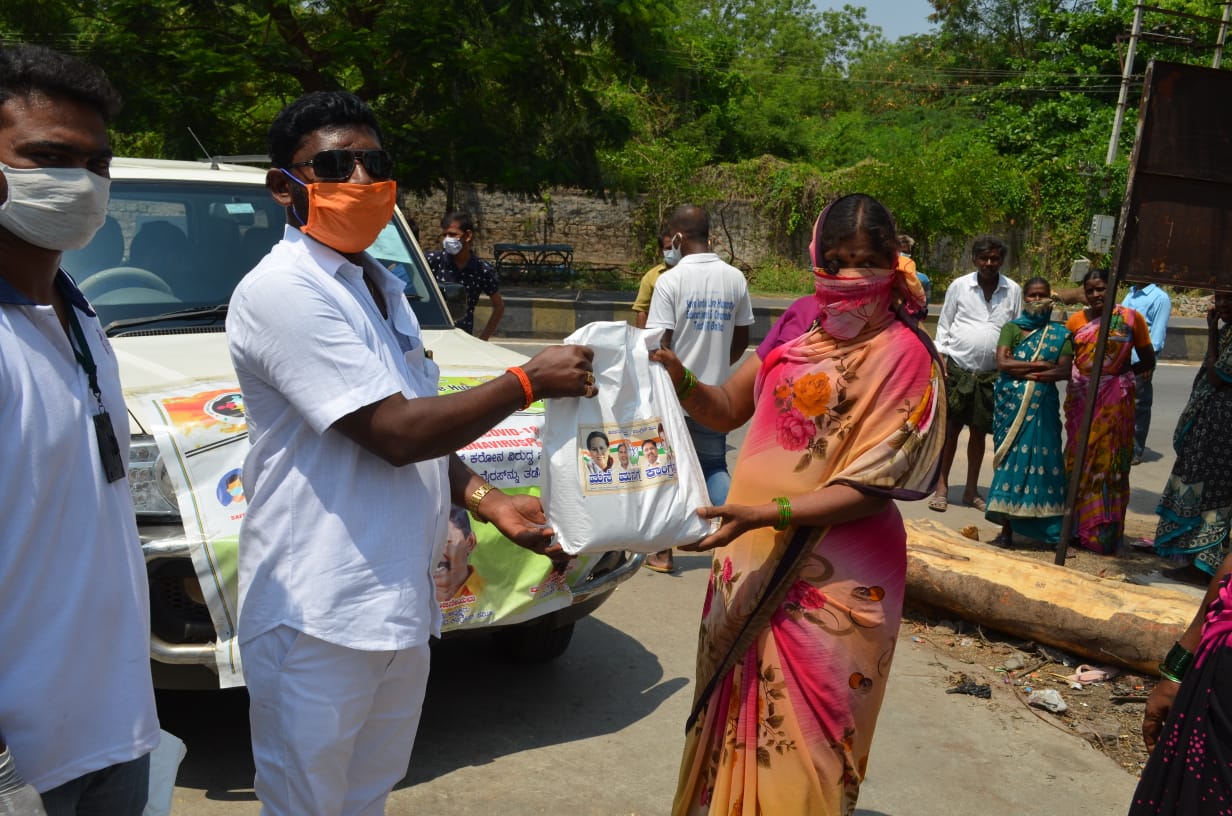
(77,717)
(351,474)
(704,307)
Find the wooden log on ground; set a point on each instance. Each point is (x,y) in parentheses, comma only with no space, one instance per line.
(1105,621)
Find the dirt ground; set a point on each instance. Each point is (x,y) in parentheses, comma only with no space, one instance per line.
(1107,714)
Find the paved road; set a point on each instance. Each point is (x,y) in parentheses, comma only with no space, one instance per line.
(600,730)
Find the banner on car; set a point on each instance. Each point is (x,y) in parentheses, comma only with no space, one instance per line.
(482,579)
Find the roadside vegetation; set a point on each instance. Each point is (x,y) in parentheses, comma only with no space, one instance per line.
(998,119)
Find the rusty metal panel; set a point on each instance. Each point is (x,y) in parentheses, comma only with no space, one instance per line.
(1176,219)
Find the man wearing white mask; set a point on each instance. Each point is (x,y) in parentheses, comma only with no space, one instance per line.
(706,313)
(77,717)
(457,263)
(645,289)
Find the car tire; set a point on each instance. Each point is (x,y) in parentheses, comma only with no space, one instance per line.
(538,642)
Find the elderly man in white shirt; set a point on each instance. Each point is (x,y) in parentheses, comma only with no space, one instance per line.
(351,474)
(976,306)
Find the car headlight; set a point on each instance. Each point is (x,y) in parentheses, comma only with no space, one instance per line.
(153,493)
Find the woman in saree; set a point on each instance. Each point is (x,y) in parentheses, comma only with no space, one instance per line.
(1027,495)
(1196,506)
(806,588)
(1103,490)
(1185,725)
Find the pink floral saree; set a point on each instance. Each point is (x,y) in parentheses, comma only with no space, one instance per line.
(1103,490)
(798,627)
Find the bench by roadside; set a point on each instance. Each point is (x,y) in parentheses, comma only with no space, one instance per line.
(551,314)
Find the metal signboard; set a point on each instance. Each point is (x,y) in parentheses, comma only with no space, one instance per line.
(1176,219)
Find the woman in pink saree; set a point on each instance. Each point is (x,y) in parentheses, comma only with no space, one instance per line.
(806,589)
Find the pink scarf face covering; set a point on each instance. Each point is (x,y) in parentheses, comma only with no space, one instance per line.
(853,299)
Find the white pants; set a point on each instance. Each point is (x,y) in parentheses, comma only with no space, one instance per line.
(332,727)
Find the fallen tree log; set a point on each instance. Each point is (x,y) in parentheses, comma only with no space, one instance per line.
(1106,621)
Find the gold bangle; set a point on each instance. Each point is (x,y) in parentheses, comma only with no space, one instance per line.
(472,504)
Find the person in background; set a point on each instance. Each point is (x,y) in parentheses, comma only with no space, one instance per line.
(336,596)
(1185,724)
(457,262)
(1195,509)
(77,716)
(905,262)
(806,587)
(976,307)
(1103,489)
(1027,495)
(645,289)
(705,311)
(1155,306)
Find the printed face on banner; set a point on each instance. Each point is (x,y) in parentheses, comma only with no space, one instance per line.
(453,573)
(623,458)
(230,488)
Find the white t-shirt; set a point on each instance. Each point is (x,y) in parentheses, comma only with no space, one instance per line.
(969,324)
(75,688)
(336,542)
(702,300)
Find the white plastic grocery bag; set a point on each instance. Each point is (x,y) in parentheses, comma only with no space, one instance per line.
(621,470)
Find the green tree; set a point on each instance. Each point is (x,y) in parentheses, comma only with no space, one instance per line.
(482,90)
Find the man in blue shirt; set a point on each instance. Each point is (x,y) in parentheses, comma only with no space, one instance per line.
(1153,304)
(457,263)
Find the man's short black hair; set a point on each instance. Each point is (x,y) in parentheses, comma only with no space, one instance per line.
(26,69)
(312,112)
(463,220)
(988,243)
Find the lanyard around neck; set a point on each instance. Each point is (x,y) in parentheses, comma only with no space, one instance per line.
(81,350)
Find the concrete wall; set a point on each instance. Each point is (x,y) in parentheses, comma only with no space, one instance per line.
(604,232)
(554,318)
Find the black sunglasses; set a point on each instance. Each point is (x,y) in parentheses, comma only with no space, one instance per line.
(338,165)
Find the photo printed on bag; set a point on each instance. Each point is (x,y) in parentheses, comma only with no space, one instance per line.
(624,458)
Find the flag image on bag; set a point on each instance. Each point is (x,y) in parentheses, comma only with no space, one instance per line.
(621,470)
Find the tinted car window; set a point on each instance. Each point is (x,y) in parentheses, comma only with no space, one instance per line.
(171,246)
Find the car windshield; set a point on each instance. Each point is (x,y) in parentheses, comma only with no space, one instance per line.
(177,249)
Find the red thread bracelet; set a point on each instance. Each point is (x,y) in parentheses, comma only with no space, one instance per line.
(527,392)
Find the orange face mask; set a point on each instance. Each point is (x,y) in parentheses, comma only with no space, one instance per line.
(347,217)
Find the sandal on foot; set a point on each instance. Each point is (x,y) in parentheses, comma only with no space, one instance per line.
(666,567)
(978,503)
(1002,542)
(938,503)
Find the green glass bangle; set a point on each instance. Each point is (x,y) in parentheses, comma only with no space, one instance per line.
(1177,663)
(784,504)
(685,389)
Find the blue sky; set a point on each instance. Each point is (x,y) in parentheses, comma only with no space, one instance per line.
(897,18)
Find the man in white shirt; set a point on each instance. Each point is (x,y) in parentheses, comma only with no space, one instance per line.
(351,474)
(976,307)
(77,717)
(704,307)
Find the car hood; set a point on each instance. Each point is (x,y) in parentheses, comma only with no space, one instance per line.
(157,363)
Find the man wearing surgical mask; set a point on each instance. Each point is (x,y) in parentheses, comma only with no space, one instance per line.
(704,308)
(645,290)
(456,262)
(351,474)
(77,717)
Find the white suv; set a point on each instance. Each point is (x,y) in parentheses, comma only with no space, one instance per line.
(178,238)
